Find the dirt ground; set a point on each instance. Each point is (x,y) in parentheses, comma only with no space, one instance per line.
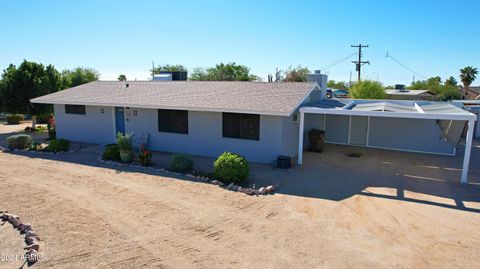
(99,217)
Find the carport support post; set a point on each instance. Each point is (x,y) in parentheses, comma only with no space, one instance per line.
(300,138)
(468,149)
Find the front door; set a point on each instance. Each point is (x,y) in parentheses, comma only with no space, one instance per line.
(119,120)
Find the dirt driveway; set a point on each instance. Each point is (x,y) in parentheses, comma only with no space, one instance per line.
(94,217)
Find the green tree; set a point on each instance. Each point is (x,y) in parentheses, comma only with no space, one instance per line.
(368,89)
(79,76)
(340,85)
(297,74)
(451,81)
(168,68)
(467,76)
(199,74)
(122,77)
(29,80)
(445,91)
(224,72)
(449,92)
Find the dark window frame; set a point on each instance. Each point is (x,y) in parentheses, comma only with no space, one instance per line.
(75,109)
(174,121)
(241,126)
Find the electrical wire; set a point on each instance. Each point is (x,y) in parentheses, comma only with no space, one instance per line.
(404,66)
(337,62)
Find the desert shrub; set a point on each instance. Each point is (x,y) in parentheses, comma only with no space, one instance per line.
(231,167)
(51,126)
(15,118)
(21,141)
(125,141)
(180,163)
(111,152)
(58,145)
(145,157)
(44,118)
(36,146)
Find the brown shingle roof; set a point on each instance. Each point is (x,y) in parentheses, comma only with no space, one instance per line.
(234,96)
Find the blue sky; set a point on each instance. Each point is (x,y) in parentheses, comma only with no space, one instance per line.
(430,37)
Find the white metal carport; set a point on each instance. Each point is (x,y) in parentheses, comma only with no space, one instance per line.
(444,111)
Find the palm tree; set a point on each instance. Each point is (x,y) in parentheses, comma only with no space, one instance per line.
(122,77)
(468,75)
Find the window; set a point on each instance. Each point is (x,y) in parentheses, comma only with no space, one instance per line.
(75,109)
(173,121)
(244,126)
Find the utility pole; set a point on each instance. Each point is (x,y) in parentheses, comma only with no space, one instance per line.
(153,69)
(359,63)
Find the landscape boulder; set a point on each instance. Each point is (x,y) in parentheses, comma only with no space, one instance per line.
(24,227)
(30,240)
(34,246)
(31,233)
(32,256)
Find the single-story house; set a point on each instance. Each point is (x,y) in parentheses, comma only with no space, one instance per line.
(404,94)
(260,121)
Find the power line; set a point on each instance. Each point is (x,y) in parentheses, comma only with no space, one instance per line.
(404,66)
(337,62)
(359,63)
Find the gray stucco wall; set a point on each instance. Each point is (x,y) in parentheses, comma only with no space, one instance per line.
(93,127)
(290,137)
(205,136)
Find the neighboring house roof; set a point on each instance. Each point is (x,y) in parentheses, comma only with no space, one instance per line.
(408,92)
(473,92)
(221,96)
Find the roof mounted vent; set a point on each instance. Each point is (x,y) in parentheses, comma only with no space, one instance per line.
(127,85)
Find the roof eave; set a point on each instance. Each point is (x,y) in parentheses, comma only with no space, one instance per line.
(268,113)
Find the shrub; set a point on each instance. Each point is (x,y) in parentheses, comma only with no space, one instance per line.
(180,163)
(58,145)
(231,167)
(144,157)
(52,131)
(21,141)
(111,152)
(15,118)
(36,146)
(368,89)
(125,141)
(44,118)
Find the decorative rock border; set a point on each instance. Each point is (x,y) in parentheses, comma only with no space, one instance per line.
(31,237)
(2,149)
(270,189)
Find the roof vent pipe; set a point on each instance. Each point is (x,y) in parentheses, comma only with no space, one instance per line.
(126,85)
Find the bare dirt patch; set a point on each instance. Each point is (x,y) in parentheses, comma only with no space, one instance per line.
(102,218)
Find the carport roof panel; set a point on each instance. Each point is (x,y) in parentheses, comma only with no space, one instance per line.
(395,109)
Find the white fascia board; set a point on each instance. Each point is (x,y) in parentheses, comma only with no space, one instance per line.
(268,113)
(408,115)
(466,101)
